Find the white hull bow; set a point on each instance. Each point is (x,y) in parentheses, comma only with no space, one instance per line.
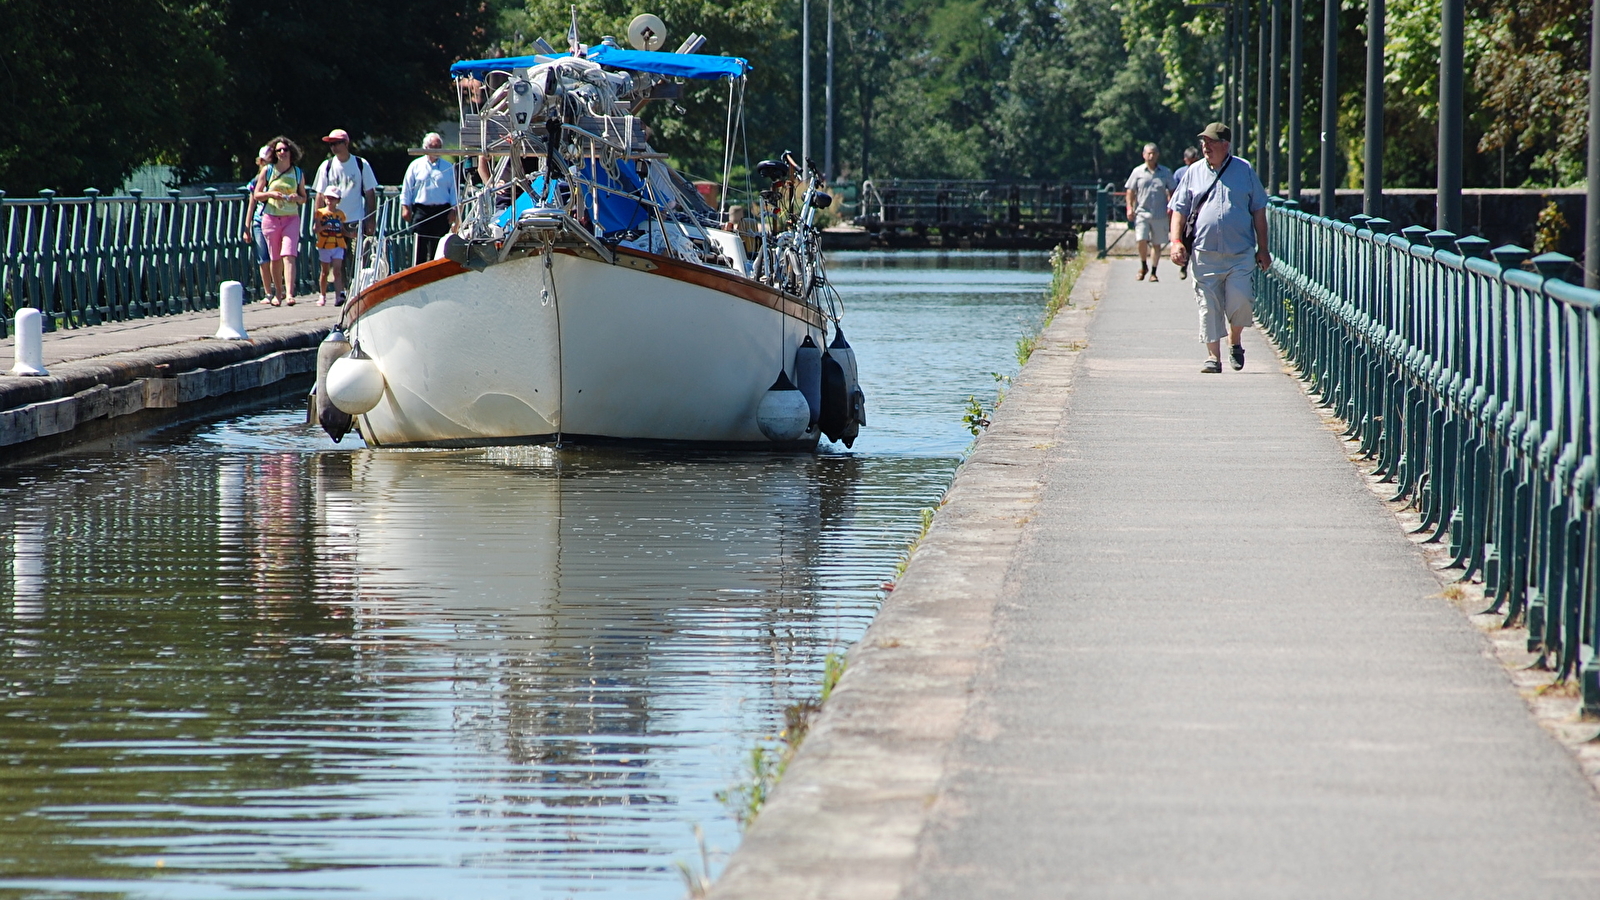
(575,348)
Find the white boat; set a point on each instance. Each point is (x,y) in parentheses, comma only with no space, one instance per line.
(590,293)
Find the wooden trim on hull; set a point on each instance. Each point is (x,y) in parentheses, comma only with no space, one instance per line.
(401,282)
(427,273)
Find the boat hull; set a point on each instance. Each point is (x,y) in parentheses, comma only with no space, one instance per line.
(571,347)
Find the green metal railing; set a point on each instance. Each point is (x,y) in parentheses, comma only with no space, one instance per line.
(85,260)
(1470,382)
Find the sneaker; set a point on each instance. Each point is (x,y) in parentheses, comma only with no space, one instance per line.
(1237,357)
(1143,268)
(338,299)
(1212,367)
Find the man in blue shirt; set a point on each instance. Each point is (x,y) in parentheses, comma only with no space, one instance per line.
(1228,205)
(428,198)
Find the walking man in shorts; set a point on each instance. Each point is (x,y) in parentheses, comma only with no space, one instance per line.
(1149,186)
(1224,198)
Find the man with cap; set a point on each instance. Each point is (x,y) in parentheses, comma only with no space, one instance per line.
(1226,204)
(358,187)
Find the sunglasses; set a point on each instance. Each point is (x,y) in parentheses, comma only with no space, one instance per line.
(280,149)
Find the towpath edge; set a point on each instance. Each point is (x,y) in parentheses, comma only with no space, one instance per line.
(128,377)
(845,819)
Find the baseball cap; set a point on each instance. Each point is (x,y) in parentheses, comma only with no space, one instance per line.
(336,135)
(1215,131)
(265,152)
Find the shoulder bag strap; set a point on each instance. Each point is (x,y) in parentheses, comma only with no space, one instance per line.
(1189,226)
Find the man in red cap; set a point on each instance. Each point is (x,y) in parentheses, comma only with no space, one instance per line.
(351,177)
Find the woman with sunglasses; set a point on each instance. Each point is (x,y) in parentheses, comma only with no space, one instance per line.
(281,187)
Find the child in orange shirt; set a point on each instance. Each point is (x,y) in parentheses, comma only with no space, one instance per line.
(329,226)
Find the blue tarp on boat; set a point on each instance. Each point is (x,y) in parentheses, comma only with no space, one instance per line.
(616,212)
(681,65)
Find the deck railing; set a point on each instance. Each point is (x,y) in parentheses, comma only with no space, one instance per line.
(1471,384)
(85,260)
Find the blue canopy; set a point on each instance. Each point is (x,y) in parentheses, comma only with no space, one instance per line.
(682,65)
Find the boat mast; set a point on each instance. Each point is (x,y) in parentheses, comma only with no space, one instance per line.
(827,150)
(805,86)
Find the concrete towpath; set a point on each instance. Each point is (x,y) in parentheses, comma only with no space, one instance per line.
(74,344)
(1163,641)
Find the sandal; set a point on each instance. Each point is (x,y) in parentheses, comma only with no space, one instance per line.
(289,302)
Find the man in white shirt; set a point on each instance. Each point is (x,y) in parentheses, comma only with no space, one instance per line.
(1148,188)
(350,174)
(428,198)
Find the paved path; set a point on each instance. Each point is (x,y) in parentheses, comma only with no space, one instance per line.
(1205,662)
(73,344)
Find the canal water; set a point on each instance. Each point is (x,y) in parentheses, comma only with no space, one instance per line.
(240,660)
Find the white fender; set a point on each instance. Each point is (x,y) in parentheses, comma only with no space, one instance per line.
(354,384)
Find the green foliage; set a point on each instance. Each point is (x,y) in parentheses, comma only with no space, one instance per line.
(1548,229)
(1005,89)
(92,90)
(975,418)
(1532,70)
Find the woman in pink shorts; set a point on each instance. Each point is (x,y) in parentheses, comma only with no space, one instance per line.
(281,188)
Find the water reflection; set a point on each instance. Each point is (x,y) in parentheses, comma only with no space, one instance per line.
(240,660)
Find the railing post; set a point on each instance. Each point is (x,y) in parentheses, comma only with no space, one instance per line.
(1297,61)
(89,295)
(1330,106)
(49,236)
(1372,180)
(1591,217)
(8,293)
(1102,217)
(1452,133)
(138,281)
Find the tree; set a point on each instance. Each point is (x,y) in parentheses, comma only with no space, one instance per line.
(91,90)
(377,68)
(1533,74)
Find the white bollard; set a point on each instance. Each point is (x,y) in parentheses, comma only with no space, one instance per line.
(29,347)
(232,327)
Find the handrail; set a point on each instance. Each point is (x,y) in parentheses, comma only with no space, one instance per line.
(1473,385)
(85,260)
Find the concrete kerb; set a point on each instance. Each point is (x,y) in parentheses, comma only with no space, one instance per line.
(138,389)
(844,821)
